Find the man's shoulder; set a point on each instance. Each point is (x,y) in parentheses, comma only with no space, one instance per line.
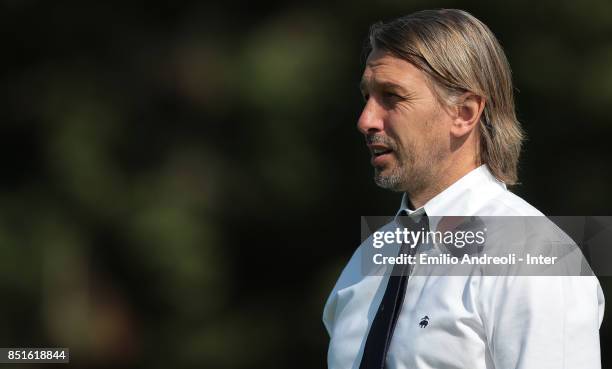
(507,203)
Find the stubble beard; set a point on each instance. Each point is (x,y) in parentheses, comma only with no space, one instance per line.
(394,181)
(412,173)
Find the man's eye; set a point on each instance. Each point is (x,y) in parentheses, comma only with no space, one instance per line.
(390,95)
(389,98)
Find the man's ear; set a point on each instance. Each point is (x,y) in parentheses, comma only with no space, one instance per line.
(468,111)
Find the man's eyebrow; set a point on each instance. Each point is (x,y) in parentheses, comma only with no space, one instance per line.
(363,86)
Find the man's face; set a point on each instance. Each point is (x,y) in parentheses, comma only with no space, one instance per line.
(406,128)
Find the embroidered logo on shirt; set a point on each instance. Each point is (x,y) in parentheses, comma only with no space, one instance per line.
(424,321)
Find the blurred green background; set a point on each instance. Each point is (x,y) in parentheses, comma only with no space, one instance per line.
(182,183)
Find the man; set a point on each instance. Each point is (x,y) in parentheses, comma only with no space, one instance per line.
(439,121)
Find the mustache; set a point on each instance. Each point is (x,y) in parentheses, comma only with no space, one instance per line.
(380,139)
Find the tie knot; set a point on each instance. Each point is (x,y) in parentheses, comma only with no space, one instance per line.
(416,221)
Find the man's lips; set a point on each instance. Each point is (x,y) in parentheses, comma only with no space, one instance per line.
(378,150)
(380,154)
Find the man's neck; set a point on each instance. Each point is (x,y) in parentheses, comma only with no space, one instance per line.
(445,178)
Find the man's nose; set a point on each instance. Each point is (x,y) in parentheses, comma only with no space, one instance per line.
(370,119)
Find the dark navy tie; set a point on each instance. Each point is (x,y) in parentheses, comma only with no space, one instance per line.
(381,331)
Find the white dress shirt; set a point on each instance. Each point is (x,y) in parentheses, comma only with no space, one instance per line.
(475,322)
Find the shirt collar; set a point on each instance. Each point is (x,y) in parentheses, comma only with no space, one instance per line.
(462,198)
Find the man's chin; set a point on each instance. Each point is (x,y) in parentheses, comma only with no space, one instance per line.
(388,180)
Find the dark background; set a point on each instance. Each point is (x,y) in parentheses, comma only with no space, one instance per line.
(182,184)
